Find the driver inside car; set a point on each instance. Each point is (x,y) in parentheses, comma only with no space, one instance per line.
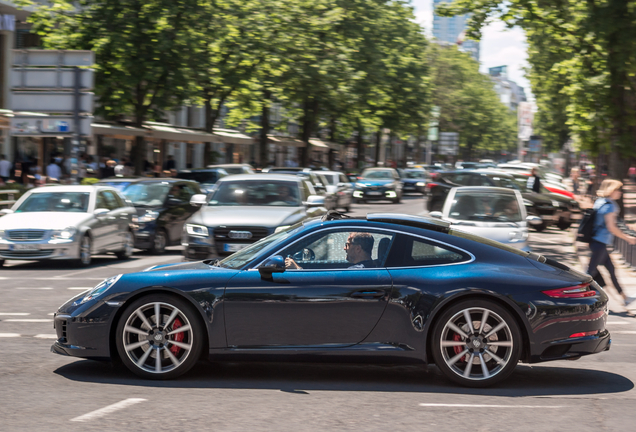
(358,248)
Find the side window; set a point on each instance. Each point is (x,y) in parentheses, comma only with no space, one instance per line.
(120,201)
(101,201)
(307,189)
(343,179)
(187,191)
(337,249)
(480,180)
(111,201)
(411,251)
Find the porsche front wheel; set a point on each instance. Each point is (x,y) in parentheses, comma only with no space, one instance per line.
(476,343)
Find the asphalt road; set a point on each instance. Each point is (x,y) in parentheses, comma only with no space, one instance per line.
(43,391)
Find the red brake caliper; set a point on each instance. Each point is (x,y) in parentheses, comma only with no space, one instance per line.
(457,349)
(178,337)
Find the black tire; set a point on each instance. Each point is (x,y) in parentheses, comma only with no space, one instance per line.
(435,206)
(160,241)
(452,350)
(127,251)
(139,352)
(542,226)
(85,251)
(397,199)
(1,263)
(564,225)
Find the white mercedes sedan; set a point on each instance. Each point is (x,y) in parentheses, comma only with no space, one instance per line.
(67,223)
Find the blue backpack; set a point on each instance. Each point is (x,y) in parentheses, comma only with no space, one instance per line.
(586,226)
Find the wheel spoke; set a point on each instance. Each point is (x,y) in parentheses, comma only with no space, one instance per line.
(135,330)
(157,314)
(484,367)
(180,345)
(446,344)
(500,343)
(172,316)
(180,330)
(469,366)
(496,329)
(135,345)
(158,361)
(454,360)
(143,358)
(495,357)
(175,361)
(469,321)
(457,330)
(143,318)
(484,318)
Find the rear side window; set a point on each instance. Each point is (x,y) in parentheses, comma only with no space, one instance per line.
(408,251)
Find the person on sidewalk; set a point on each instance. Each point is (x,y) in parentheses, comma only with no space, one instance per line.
(534,182)
(605,229)
(5,168)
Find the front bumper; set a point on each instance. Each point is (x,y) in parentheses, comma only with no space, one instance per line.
(378,193)
(145,235)
(40,249)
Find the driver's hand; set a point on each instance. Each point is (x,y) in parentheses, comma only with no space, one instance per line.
(290,263)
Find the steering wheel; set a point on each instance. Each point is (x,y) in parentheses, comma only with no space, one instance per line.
(306,254)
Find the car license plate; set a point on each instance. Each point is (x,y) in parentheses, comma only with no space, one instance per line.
(374,193)
(24,247)
(233,247)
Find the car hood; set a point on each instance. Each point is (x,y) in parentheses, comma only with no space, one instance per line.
(247,216)
(43,220)
(196,265)
(365,183)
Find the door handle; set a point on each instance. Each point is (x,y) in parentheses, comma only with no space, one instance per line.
(369,294)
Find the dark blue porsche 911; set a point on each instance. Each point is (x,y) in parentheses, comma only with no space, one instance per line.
(387,287)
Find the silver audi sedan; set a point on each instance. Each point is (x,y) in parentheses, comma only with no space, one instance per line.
(67,223)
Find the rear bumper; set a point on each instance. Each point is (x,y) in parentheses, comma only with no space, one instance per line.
(574,348)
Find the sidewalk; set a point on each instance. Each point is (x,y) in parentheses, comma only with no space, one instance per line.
(626,275)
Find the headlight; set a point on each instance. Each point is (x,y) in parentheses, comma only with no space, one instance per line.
(197,230)
(555,203)
(420,184)
(148,217)
(65,234)
(527,203)
(100,289)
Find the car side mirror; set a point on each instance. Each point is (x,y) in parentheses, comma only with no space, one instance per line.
(198,200)
(534,220)
(436,214)
(100,211)
(274,264)
(5,212)
(315,201)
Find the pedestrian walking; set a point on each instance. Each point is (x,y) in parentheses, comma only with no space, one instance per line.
(53,170)
(632,174)
(5,168)
(605,229)
(534,182)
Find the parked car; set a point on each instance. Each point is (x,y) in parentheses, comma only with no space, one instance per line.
(245,209)
(338,186)
(162,207)
(491,212)
(430,294)
(378,184)
(233,169)
(536,204)
(67,223)
(414,180)
(206,177)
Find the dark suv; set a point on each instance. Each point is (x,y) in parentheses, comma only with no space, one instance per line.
(163,206)
(536,204)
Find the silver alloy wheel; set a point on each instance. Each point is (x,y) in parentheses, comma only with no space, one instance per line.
(85,250)
(476,343)
(157,337)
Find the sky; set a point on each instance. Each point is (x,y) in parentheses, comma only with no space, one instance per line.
(499,46)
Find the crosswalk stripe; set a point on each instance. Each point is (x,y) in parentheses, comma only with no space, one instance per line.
(30,320)
(9,335)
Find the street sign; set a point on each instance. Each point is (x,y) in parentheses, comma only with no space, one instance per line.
(47,78)
(59,58)
(524,120)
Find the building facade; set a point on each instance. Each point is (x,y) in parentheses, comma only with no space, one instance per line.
(453,30)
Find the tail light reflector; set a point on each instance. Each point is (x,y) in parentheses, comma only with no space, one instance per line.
(578,291)
(583,334)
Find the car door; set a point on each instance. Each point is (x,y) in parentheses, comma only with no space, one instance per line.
(325,303)
(112,221)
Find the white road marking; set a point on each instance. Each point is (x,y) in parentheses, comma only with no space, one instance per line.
(617,323)
(68,278)
(14,313)
(433,405)
(3,278)
(46,336)
(51,314)
(38,288)
(31,320)
(7,335)
(108,410)
(624,332)
(80,288)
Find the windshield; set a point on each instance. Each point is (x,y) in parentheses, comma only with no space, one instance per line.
(256,193)
(504,182)
(491,207)
(208,177)
(377,175)
(238,259)
(55,202)
(329,179)
(414,174)
(147,194)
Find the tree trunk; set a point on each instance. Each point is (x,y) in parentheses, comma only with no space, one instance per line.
(360,150)
(418,146)
(309,118)
(139,154)
(378,140)
(263,145)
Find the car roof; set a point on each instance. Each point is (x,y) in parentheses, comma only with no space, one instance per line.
(230,165)
(256,177)
(327,172)
(485,189)
(487,171)
(69,188)
(194,170)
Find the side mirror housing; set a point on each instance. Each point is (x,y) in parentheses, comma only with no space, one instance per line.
(534,220)
(198,199)
(275,264)
(436,214)
(5,212)
(315,201)
(100,211)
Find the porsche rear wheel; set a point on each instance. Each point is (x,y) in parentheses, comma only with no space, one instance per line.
(476,343)
(159,337)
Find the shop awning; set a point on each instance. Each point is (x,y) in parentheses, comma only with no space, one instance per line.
(170,132)
(230,136)
(324,145)
(285,141)
(122,132)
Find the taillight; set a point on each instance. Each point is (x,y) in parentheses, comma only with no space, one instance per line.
(583,334)
(430,186)
(578,291)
